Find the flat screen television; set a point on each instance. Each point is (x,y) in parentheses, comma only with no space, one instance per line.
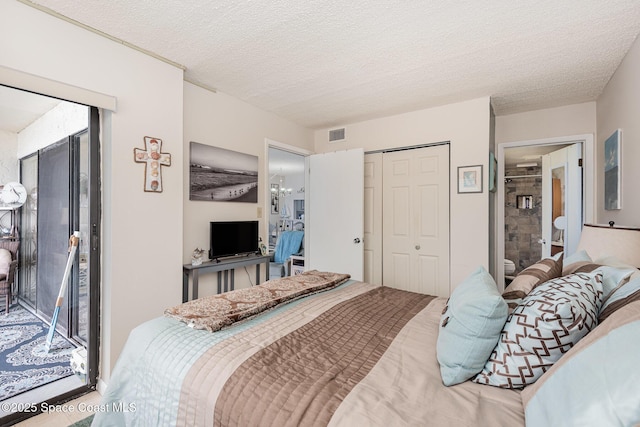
(230,238)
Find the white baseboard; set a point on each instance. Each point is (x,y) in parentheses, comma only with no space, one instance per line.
(101,387)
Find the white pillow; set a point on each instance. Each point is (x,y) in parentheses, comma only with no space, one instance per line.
(612,261)
(597,384)
(612,277)
(625,294)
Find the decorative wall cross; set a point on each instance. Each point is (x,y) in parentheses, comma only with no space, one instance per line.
(153,158)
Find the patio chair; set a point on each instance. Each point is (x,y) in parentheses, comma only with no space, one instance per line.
(8,266)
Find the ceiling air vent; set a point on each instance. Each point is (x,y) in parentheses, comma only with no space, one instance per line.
(336,135)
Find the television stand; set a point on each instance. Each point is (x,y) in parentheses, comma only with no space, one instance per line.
(226,267)
(234,257)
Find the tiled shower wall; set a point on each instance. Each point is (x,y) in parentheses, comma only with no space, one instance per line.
(523,227)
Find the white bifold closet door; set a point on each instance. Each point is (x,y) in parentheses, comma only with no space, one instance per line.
(415,220)
(373,218)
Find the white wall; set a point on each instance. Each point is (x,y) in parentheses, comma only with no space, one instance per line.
(619,108)
(142,232)
(467,126)
(220,120)
(9,165)
(61,121)
(575,119)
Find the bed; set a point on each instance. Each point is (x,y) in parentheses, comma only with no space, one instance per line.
(327,350)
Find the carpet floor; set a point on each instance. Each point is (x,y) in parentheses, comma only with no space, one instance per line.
(24,362)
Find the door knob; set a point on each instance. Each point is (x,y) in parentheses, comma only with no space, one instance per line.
(542,241)
(356,240)
(417,247)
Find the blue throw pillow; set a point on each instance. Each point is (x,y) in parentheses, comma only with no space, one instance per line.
(470,327)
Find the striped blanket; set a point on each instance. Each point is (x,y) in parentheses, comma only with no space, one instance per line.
(356,354)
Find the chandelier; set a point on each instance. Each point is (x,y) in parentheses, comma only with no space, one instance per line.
(283,192)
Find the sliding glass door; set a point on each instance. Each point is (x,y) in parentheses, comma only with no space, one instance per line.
(29,232)
(54,227)
(62,181)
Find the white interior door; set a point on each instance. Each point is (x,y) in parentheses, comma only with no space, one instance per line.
(545,242)
(562,213)
(334,212)
(416,220)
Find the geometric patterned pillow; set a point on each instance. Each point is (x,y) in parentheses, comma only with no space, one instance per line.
(532,276)
(548,322)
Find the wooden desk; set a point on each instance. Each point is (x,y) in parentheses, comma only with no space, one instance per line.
(224,267)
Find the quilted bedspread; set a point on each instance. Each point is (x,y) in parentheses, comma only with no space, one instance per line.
(355,354)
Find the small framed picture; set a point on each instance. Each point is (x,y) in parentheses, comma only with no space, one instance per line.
(470,179)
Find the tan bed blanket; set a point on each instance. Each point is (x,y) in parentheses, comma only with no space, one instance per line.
(217,311)
(355,355)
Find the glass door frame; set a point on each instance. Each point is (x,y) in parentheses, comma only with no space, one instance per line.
(94,240)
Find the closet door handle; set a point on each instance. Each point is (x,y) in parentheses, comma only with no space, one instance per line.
(356,240)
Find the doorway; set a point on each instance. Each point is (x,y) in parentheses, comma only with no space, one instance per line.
(543,203)
(286,193)
(61,177)
(332,209)
(519,200)
(286,201)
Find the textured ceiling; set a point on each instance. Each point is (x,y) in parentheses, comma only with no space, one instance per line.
(18,109)
(325,63)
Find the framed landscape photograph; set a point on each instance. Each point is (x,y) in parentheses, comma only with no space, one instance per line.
(470,179)
(612,175)
(221,175)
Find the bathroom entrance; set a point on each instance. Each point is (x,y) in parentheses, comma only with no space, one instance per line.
(541,200)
